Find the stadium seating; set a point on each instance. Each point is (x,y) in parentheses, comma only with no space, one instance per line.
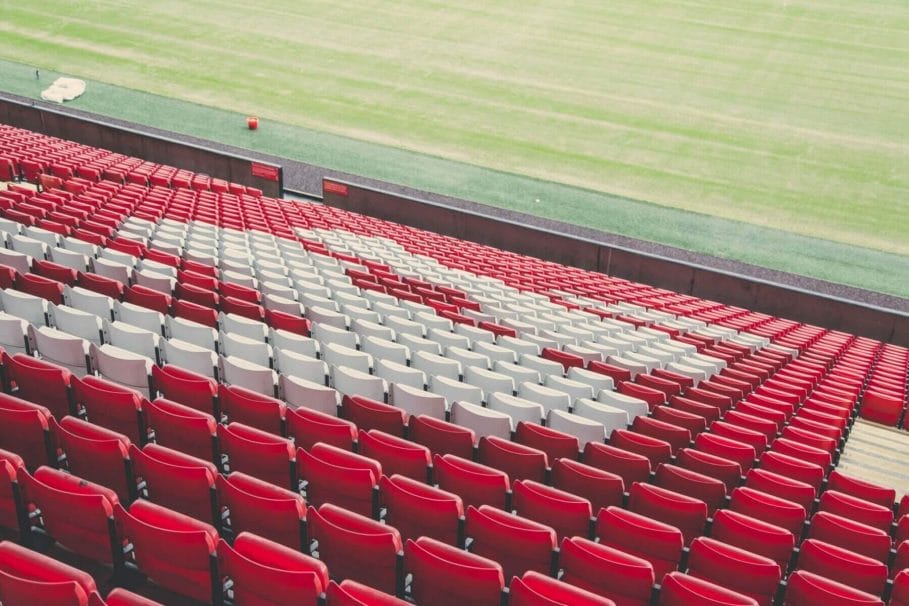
(291,376)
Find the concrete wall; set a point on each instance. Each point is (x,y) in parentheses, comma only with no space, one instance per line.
(141,145)
(662,272)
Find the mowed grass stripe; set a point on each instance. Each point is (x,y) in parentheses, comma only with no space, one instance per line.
(784,115)
(824,259)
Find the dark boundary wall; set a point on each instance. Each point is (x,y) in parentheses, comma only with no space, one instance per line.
(662,272)
(267,177)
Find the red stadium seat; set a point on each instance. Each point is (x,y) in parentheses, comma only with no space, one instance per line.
(96,454)
(351,593)
(750,574)
(643,537)
(176,551)
(535,589)
(264,509)
(396,455)
(177,481)
(848,567)
(518,461)
(518,544)
(606,571)
(441,437)
(307,427)
(337,476)
(446,576)
(684,512)
(679,589)
(258,453)
(186,387)
(263,571)
(417,509)
(357,547)
(110,405)
(601,488)
(568,514)
(807,589)
(630,466)
(476,484)
(28,577)
(76,513)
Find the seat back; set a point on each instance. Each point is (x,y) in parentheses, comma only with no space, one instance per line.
(264,572)
(96,454)
(27,577)
(307,427)
(606,571)
(264,509)
(182,428)
(517,543)
(417,509)
(476,484)
(185,387)
(266,456)
(24,429)
(397,455)
(657,542)
(568,514)
(176,480)
(357,547)
(337,476)
(446,576)
(76,513)
(174,550)
(40,382)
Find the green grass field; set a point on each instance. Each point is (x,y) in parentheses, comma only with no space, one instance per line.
(786,118)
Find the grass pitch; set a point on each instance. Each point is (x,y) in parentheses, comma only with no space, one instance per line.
(788,116)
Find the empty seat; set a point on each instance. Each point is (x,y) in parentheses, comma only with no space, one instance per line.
(849,534)
(173,549)
(176,480)
(76,513)
(656,450)
(769,508)
(60,348)
(182,428)
(606,571)
(265,572)
(123,367)
(111,405)
(267,510)
(753,575)
(519,409)
(351,593)
(476,484)
(446,576)
(517,543)
(686,513)
(258,453)
(856,509)
(252,408)
(520,462)
(122,597)
(535,589)
(368,414)
(804,588)
(307,427)
(396,455)
(333,475)
(699,486)
(24,430)
(630,466)
(556,444)
(754,535)
(243,373)
(195,390)
(10,502)
(853,569)
(417,402)
(601,488)
(568,514)
(781,486)
(96,454)
(657,542)
(679,589)
(350,381)
(417,509)
(28,577)
(727,471)
(442,437)
(357,547)
(481,421)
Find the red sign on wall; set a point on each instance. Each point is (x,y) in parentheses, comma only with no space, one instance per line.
(265,171)
(331,187)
